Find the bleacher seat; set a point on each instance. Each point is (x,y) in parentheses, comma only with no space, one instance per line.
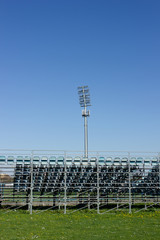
(101,161)
(139,161)
(10,159)
(36,160)
(133,161)
(154,161)
(124,161)
(84,161)
(44,160)
(117,161)
(2,159)
(60,161)
(69,161)
(109,161)
(93,161)
(27,160)
(147,162)
(52,160)
(77,161)
(19,159)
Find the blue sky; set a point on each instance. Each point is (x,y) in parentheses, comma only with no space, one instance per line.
(49,48)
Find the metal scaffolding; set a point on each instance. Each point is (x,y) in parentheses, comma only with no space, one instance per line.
(105,181)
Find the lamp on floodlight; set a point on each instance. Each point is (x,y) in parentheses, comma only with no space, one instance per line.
(84,100)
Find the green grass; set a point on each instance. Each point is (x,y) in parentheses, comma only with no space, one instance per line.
(80,225)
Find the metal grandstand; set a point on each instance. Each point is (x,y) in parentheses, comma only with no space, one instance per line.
(69,181)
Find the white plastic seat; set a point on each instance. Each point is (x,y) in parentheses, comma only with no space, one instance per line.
(117,161)
(44,160)
(52,160)
(19,159)
(109,161)
(60,160)
(84,161)
(69,161)
(77,161)
(27,160)
(133,161)
(147,162)
(36,160)
(101,161)
(154,161)
(10,159)
(139,161)
(2,159)
(124,161)
(93,161)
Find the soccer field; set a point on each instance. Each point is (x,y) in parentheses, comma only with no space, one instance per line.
(80,225)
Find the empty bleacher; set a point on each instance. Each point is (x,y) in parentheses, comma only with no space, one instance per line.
(111,177)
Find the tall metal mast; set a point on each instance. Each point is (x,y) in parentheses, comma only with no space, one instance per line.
(84,100)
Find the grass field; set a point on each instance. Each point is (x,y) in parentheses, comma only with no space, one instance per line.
(80,225)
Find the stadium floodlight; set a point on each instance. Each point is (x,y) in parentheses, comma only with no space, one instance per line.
(84,100)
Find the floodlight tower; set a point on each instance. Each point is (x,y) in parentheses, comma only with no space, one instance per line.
(84,100)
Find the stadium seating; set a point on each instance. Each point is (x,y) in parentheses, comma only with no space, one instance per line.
(109,175)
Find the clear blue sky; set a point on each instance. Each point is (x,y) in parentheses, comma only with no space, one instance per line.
(49,48)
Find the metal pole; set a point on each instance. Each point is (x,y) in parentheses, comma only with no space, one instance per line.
(97,184)
(145,202)
(85,134)
(84,100)
(159,174)
(59,206)
(65,187)
(117,200)
(89,204)
(129,173)
(31,186)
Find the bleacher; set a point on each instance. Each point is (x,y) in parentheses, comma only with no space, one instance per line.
(110,176)
(81,174)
